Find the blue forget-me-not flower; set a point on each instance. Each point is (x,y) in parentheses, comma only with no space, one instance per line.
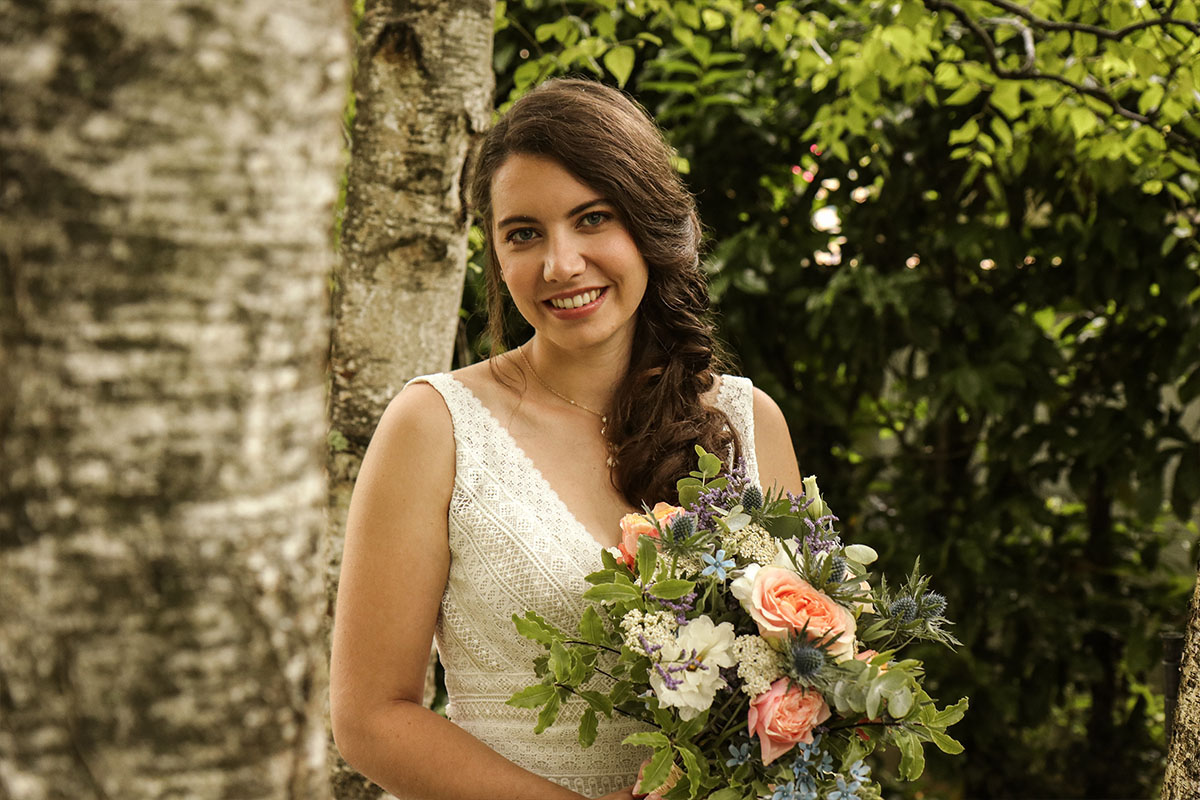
(717,565)
(739,755)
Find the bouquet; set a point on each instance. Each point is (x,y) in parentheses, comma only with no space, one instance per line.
(761,653)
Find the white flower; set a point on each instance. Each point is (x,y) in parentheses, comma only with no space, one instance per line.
(688,674)
(751,542)
(818,508)
(759,664)
(648,633)
(743,584)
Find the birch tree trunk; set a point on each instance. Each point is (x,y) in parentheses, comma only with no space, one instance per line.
(423,95)
(167,176)
(1182,779)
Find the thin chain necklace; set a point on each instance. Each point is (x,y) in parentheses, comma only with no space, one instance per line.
(611,461)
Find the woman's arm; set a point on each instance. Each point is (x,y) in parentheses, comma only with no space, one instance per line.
(773,447)
(394,571)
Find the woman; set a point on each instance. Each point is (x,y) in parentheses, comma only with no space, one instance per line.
(490,491)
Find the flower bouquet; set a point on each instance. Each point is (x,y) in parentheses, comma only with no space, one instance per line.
(756,646)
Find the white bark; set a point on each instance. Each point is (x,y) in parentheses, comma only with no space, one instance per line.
(1182,779)
(423,94)
(167,175)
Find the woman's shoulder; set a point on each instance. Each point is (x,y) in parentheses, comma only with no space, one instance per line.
(451,395)
(418,417)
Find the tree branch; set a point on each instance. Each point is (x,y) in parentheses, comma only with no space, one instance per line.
(1094,30)
(989,46)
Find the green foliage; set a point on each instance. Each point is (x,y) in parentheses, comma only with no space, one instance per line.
(956,241)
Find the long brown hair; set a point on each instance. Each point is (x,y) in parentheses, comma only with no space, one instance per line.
(609,143)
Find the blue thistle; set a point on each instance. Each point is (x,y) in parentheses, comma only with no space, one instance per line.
(682,527)
(807,660)
(837,569)
(932,605)
(752,498)
(903,609)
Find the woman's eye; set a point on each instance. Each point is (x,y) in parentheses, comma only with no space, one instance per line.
(520,235)
(594,218)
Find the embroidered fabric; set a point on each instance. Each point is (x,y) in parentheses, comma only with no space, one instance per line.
(515,546)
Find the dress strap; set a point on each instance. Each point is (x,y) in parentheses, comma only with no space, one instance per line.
(736,399)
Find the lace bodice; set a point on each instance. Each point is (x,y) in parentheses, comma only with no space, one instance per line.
(516,547)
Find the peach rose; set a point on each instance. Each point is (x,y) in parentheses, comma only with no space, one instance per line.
(634,526)
(783,716)
(782,602)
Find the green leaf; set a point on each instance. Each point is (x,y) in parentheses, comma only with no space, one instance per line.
(945,743)
(588,726)
(874,700)
(598,701)
(591,627)
(1083,121)
(912,757)
(532,626)
(671,589)
(531,696)
(611,593)
(602,576)
(608,560)
(657,770)
(710,465)
(560,662)
(965,134)
(900,702)
(726,794)
(962,95)
(949,715)
(619,61)
(548,714)
(647,558)
(647,739)
(691,769)
(1006,98)
(690,489)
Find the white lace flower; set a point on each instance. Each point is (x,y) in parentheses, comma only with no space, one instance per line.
(759,664)
(688,674)
(648,633)
(752,542)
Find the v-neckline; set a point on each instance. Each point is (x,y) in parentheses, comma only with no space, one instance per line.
(535,473)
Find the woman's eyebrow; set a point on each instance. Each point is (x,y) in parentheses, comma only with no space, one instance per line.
(577,209)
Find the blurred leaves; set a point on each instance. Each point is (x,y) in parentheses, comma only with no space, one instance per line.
(987,344)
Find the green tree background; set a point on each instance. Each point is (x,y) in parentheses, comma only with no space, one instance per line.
(956,243)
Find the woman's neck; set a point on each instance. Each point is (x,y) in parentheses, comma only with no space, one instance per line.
(589,378)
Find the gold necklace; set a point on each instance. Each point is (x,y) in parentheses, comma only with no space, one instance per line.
(611,461)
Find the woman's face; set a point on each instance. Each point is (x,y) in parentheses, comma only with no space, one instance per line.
(568,260)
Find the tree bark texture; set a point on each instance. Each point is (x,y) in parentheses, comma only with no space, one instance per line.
(1182,779)
(168,171)
(423,95)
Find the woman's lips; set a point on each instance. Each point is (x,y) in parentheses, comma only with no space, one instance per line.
(575,312)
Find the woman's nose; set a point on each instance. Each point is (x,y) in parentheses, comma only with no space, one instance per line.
(564,260)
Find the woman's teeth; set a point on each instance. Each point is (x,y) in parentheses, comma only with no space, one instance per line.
(576,301)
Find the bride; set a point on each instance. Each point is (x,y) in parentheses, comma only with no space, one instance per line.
(490,491)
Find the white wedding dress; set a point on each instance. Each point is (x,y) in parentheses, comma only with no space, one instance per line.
(516,547)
